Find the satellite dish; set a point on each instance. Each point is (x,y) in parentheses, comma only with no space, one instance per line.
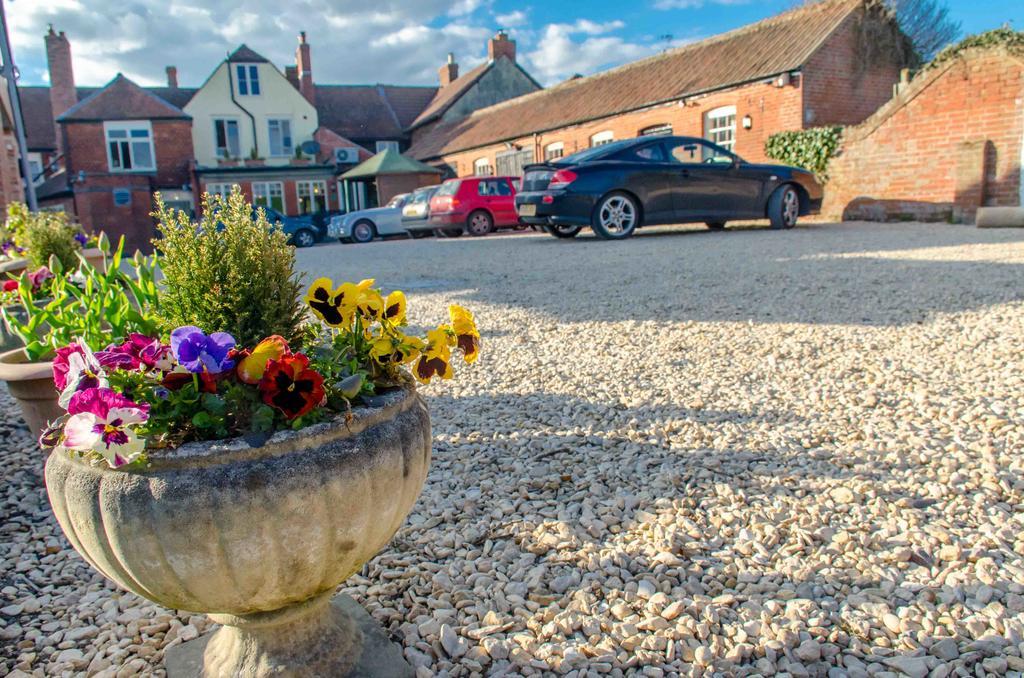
(310,147)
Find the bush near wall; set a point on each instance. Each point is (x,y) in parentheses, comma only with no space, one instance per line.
(810,149)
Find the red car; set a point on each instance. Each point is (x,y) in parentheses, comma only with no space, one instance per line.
(474,205)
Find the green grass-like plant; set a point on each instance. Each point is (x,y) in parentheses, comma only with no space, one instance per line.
(232,272)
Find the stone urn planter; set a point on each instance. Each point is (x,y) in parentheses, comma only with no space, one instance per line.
(31,384)
(257,536)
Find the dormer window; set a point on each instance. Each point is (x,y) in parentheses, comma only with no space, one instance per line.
(248,79)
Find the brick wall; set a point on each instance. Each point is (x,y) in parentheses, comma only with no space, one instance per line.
(846,80)
(951,142)
(94,197)
(11,187)
(389,186)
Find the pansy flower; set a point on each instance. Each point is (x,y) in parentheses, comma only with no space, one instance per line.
(333,306)
(37,277)
(368,300)
(394,307)
(10,285)
(76,368)
(289,385)
(436,359)
(138,351)
(466,335)
(395,348)
(174,380)
(101,420)
(253,364)
(197,352)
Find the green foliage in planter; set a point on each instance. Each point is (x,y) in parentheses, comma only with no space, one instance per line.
(1001,37)
(233,272)
(101,307)
(810,149)
(43,235)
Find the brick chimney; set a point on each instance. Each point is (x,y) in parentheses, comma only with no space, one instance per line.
(449,72)
(501,46)
(62,78)
(172,77)
(291,74)
(304,63)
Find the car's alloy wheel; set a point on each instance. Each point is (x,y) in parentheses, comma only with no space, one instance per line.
(784,207)
(563,230)
(479,223)
(616,216)
(362,231)
(304,238)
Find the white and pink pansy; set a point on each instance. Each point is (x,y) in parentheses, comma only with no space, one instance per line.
(77,369)
(102,421)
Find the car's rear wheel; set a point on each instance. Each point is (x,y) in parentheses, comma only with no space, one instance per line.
(616,216)
(479,223)
(715,225)
(363,231)
(563,230)
(304,238)
(784,207)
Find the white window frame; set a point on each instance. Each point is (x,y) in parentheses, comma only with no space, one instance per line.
(386,144)
(556,149)
(128,127)
(307,187)
(221,189)
(285,151)
(664,128)
(720,127)
(36,167)
(602,138)
(482,167)
(247,76)
(235,153)
(264,190)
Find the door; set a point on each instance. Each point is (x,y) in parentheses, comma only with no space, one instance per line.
(648,174)
(498,197)
(711,183)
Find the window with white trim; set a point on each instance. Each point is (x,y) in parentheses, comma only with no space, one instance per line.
(554,150)
(280,131)
(656,130)
(35,168)
(720,126)
(602,138)
(387,146)
(247,79)
(482,167)
(223,190)
(130,146)
(268,194)
(312,196)
(225,138)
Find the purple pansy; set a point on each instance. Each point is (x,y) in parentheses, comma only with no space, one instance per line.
(197,352)
(81,238)
(39,276)
(101,420)
(138,350)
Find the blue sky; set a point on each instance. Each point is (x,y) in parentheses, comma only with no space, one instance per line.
(389,41)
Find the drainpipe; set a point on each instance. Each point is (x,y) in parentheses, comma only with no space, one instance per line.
(252,118)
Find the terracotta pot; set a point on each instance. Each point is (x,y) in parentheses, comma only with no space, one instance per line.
(32,386)
(258,537)
(94,256)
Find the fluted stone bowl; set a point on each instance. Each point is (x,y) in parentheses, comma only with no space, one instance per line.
(258,536)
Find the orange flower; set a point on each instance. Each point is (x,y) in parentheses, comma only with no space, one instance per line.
(252,367)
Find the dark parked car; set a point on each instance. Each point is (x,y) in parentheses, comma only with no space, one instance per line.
(303,231)
(618,187)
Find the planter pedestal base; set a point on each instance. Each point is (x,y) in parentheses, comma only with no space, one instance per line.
(334,638)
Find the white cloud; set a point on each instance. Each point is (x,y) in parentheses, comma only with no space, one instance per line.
(511,20)
(693,4)
(560,55)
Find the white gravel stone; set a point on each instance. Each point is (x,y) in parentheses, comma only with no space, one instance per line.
(801,451)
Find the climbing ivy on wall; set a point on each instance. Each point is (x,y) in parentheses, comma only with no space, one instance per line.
(810,149)
(1000,37)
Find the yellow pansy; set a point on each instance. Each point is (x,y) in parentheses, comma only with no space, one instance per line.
(467,337)
(252,366)
(333,306)
(394,307)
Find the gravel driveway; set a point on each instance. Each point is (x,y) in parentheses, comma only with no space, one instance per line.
(748,452)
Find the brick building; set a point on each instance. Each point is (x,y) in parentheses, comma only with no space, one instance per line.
(833,62)
(951,141)
(11,188)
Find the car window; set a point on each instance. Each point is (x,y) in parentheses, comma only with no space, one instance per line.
(650,153)
(596,152)
(695,151)
(449,188)
(493,187)
(420,197)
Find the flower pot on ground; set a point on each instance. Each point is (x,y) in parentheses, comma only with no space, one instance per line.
(31,384)
(258,537)
(95,257)
(13,267)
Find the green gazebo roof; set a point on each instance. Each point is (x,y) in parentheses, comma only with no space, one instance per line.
(389,161)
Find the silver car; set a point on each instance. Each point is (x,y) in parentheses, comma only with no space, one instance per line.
(365,225)
(416,213)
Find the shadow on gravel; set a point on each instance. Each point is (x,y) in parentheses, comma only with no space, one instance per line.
(839,274)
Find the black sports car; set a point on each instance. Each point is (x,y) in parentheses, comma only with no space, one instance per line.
(618,187)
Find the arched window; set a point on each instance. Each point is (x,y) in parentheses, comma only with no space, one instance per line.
(656,130)
(554,150)
(482,167)
(720,126)
(602,138)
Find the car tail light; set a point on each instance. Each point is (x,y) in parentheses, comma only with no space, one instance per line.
(561,179)
(547,199)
